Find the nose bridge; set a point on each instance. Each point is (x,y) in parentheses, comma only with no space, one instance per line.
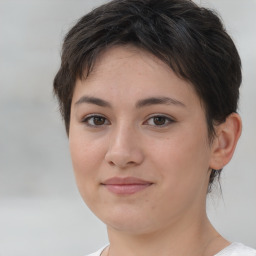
(124,148)
(122,135)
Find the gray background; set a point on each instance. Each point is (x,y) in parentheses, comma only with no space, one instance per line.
(41,212)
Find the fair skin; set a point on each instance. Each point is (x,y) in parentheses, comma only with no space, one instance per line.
(141,155)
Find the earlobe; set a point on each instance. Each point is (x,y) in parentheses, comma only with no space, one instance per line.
(224,144)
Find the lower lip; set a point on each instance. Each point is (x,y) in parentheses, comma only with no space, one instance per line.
(126,189)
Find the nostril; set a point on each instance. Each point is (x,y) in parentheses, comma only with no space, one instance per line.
(122,165)
(131,163)
(124,156)
(111,163)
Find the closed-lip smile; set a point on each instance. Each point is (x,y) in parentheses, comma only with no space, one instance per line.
(126,185)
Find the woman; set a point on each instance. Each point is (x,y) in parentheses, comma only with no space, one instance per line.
(149,90)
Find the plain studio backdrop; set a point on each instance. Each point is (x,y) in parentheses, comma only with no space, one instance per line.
(41,212)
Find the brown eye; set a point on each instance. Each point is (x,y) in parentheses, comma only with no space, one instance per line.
(159,120)
(95,120)
(99,120)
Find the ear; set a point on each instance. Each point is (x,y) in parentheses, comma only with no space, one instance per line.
(224,144)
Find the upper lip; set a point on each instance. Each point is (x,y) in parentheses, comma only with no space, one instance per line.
(125,181)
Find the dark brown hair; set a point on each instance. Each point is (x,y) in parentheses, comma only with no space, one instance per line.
(190,39)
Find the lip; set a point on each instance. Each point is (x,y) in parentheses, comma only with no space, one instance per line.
(125,186)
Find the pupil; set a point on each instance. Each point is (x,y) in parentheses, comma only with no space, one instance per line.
(159,120)
(98,120)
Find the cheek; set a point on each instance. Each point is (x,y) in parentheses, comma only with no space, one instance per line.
(86,159)
(84,150)
(183,176)
(183,161)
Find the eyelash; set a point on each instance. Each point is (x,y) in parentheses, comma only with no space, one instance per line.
(87,119)
(93,117)
(167,120)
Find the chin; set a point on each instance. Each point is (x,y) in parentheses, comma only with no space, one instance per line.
(127,220)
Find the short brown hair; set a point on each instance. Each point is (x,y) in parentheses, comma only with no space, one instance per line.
(190,39)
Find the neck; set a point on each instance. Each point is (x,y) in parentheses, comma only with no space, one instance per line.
(196,239)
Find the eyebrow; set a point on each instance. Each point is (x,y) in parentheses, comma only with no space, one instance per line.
(141,103)
(158,101)
(93,100)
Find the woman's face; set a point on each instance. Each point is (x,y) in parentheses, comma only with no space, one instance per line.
(139,143)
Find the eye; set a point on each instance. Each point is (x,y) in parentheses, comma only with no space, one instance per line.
(159,120)
(95,120)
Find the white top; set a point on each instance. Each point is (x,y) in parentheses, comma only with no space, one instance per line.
(234,249)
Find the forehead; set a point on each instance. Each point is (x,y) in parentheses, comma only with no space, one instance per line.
(128,55)
(131,71)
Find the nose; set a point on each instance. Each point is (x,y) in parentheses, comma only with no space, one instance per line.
(124,148)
